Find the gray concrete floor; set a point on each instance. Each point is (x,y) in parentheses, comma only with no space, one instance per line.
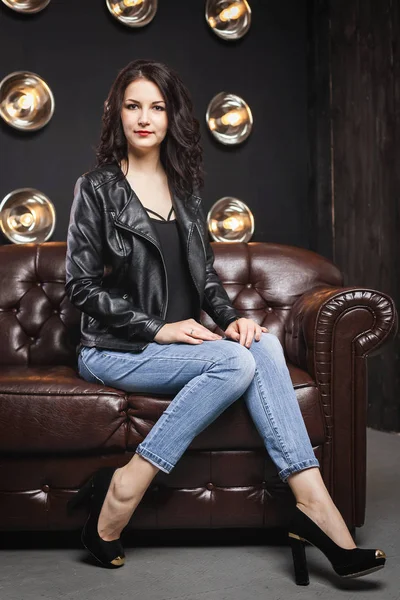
(200,570)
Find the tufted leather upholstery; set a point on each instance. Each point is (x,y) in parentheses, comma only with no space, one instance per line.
(56,429)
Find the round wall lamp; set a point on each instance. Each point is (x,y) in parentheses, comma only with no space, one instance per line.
(27,215)
(27,6)
(229,118)
(229,19)
(133,13)
(230,220)
(26,101)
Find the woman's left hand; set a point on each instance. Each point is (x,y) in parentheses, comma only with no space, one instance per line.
(244,331)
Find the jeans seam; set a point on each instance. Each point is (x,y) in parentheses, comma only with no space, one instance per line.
(170,413)
(90,371)
(271,420)
(185,358)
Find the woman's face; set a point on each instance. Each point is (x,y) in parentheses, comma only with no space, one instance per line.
(144,109)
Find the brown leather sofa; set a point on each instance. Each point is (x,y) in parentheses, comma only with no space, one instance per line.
(56,429)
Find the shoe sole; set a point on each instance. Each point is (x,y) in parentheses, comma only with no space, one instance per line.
(353,575)
(361,573)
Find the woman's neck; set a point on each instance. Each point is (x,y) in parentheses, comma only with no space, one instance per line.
(148,165)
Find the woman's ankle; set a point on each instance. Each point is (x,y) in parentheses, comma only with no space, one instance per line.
(328,518)
(315,503)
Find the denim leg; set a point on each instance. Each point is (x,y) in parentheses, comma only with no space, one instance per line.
(273,406)
(198,404)
(207,377)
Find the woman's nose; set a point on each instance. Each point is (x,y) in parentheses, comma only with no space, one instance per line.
(143,118)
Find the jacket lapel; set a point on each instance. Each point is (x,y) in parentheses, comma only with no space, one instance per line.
(134,217)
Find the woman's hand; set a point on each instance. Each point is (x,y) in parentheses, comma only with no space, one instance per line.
(188,331)
(244,330)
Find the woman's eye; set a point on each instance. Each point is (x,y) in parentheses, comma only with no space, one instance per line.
(133,104)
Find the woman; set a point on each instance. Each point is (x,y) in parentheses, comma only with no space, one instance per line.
(140,279)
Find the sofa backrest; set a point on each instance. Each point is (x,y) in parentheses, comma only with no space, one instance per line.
(263,280)
(39,325)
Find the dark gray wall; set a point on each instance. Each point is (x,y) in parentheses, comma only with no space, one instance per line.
(78,48)
(354,108)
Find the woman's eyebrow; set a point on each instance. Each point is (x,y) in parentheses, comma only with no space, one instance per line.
(132,100)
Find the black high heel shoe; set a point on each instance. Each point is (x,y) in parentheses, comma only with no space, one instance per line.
(109,554)
(346,563)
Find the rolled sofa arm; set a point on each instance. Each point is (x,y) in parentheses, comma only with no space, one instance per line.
(328,316)
(329,333)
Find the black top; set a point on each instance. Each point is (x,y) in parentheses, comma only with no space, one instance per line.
(182,294)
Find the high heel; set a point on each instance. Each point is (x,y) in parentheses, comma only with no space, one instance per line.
(299,560)
(109,554)
(353,562)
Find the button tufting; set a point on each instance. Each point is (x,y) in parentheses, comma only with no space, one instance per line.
(249,285)
(45,488)
(32,338)
(15,309)
(269,309)
(55,310)
(210,486)
(38,283)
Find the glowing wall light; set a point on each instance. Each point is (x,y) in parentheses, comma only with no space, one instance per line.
(229,19)
(27,215)
(133,13)
(27,6)
(230,220)
(26,101)
(229,118)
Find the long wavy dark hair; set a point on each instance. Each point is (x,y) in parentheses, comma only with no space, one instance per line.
(181,153)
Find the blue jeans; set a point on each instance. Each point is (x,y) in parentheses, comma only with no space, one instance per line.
(207,378)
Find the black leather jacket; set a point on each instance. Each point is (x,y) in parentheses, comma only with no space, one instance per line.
(115,271)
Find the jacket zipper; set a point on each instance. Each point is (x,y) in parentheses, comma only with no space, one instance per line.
(162,258)
(118,236)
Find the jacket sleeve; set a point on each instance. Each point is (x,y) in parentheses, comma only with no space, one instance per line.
(85,270)
(216,301)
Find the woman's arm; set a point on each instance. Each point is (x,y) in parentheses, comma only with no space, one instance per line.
(85,270)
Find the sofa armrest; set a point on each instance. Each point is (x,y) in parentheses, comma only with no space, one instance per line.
(313,325)
(329,333)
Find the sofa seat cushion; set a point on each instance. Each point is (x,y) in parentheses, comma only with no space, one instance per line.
(53,410)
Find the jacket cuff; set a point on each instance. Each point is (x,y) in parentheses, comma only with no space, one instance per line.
(228,321)
(153,328)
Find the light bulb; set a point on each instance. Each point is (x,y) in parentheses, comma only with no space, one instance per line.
(234,117)
(25,101)
(234,11)
(232,224)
